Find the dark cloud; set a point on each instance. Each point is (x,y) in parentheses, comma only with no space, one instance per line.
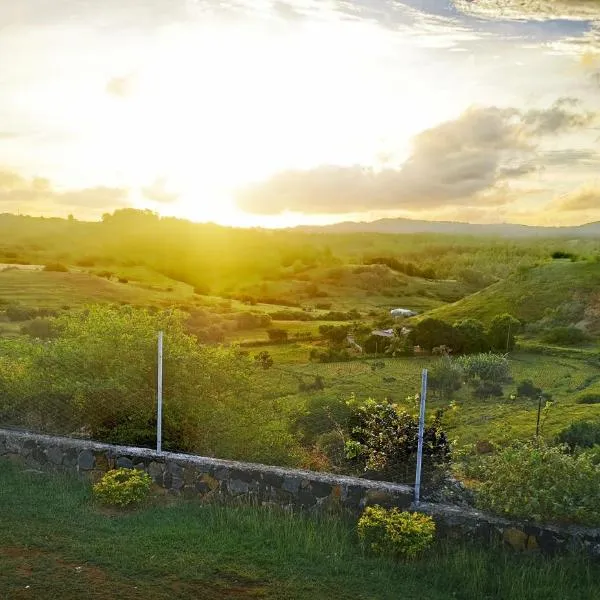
(585,198)
(20,192)
(157,192)
(453,163)
(560,117)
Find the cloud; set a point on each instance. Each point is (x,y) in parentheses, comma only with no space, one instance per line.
(157,192)
(121,87)
(585,198)
(18,192)
(558,118)
(454,163)
(98,197)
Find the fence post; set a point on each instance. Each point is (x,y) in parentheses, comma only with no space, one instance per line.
(159,394)
(421,432)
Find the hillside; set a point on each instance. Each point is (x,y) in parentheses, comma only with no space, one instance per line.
(568,289)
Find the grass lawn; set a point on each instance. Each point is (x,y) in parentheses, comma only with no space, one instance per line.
(55,543)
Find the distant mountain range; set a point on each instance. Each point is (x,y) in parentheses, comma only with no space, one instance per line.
(401,225)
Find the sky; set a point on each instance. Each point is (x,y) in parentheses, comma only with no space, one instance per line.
(280,113)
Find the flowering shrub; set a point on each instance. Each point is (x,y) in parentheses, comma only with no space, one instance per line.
(394,532)
(122,487)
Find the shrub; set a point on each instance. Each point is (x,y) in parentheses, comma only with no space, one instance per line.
(20,313)
(39,329)
(56,267)
(562,254)
(445,378)
(567,336)
(277,335)
(383,442)
(588,399)
(485,367)
(330,355)
(395,533)
(538,482)
(123,487)
(583,434)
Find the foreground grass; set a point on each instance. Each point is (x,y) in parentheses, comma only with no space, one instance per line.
(55,543)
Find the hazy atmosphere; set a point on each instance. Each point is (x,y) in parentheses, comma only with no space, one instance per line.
(301,112)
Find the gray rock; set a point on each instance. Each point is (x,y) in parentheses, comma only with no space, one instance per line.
(156,470)
(86,460)
(175,469)
(55,455)
(291,484)
(124,463)
(237,486)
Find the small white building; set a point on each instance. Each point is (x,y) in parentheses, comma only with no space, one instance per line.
(402,312)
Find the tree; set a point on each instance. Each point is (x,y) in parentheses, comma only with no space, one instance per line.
(264,359)
(501,333)
(430,333)
(336,334)
(445,377)
(470,336)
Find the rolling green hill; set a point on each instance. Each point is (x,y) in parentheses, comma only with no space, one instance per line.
(569,289)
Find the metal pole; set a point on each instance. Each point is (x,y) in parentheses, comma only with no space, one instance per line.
(159,394)
(421,432)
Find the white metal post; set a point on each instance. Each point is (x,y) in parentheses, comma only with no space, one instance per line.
(421,433)
(159,394)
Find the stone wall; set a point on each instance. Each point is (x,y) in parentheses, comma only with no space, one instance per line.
(206,478)
(197,476)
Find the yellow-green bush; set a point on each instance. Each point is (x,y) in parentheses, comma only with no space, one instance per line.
(122,487)
(394,532)
(534,481)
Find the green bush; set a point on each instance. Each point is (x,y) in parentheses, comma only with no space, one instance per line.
(395,533)
(589,398)
(582,434)
(383,440)
(533,481)
(567,336)
(123,487)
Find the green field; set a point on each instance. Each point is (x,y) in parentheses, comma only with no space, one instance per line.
(55,543)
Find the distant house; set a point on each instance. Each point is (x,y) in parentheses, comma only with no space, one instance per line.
(402,312)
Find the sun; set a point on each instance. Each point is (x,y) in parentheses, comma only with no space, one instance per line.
(216,106)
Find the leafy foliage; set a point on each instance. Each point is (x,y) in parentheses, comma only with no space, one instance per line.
(122,487)
(383,442)
(395,533)
(582,434)
(445,377)
(565,336)
(539,482)
(589,398)
(81,382)
(502,331)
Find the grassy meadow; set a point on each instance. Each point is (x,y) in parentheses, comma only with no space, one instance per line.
(67,546)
